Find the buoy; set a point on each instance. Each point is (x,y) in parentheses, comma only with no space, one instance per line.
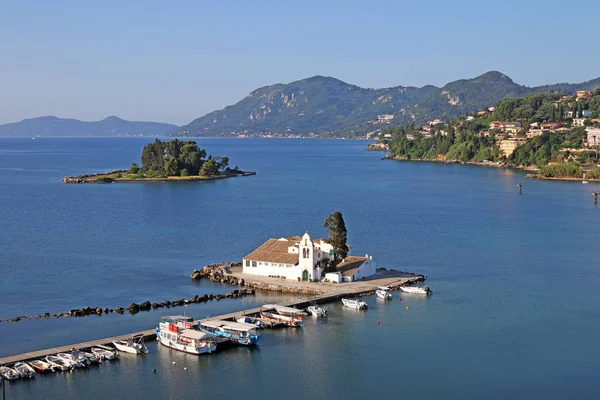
(399,298)
(407,308)
(174,361)
(154,370)
(378,322)
(185,368)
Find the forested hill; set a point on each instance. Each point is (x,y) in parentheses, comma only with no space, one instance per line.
(328,107)
(64,127)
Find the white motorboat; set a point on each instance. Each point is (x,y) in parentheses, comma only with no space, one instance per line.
(354,303)
(317,311)
(248,320)
(41,366)
(91,357)
(24,370)
(416,289)
(134,345)
(284,319)
(75,360)
(105,354)
(58,364)
(176,332)
(283,310)
(383,292)
(10,374)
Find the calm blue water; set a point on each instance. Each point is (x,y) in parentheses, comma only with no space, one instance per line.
(514,314)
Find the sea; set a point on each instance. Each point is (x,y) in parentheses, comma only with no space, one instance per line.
(515,278)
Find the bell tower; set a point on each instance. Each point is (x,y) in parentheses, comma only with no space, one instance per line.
(306,257)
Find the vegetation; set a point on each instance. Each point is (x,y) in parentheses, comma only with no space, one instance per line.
(338,235)
(474,139)
(328,107)
(178,158)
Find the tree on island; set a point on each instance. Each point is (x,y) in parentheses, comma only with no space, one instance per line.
(336,228)
(178,158)
(209,168)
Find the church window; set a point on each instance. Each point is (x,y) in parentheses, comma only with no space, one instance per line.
(247,263)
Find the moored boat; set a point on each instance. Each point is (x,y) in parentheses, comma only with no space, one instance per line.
(317,311)
(176,332)
(383,292)
(10,374)
(237,332)
(75,360)
(58,364)
(284,319)
(91,357)
(416,289)
(354,303)
(283,310)
(41,366)
(133,345)
(24,370)
(105,354)
(258,324)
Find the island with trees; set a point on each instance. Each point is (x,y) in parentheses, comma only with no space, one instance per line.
(170,161)
(554,136)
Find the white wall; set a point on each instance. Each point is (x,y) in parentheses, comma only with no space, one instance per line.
(266,269)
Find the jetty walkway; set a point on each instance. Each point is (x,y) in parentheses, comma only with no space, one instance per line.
(342,290)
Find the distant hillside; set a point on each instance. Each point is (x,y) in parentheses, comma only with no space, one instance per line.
(111,126)
(329,107)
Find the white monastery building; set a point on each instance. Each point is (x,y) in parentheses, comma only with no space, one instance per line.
(295,257)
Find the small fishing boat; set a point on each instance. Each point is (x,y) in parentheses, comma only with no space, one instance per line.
(284,319)
(133,345)
(24,370)
(176,332)
(105,354)
(58,364)
(354,303)
(237,332)
(317,311)
(584,181)
(41,366)
(416,289)
(245,319)
(283,310)
(383,292)
(10,374)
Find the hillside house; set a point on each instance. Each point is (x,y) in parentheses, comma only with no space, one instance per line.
(583,95)
(508,146)
(578,122)
(593,136)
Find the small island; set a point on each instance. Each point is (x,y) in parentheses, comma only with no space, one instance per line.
(171,161)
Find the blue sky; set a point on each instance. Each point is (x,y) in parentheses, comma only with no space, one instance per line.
(175,61)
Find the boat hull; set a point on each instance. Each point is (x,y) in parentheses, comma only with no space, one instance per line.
(208,348)
(415,289)
(355,304)
(383,295)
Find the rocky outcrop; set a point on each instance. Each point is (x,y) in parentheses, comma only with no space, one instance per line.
(218,273)
(378,147)
(92,177)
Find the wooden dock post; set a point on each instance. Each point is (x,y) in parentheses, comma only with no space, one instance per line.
(595,197)
(520,185)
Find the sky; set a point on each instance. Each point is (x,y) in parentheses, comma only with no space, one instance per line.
(176,61)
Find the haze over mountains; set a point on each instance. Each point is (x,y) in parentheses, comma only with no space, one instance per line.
(320,106)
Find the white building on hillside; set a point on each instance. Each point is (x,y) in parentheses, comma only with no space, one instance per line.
(291,257)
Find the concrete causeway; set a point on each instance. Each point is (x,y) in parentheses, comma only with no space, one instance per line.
(332,292)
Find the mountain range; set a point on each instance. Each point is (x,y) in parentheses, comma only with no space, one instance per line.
(110,126)
(317,106)
(329,107)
